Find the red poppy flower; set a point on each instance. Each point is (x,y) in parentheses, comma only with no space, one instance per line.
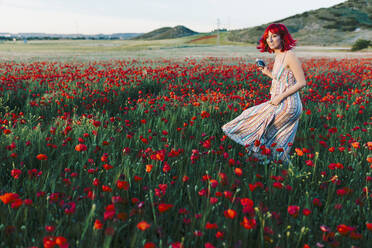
(299,152)
(42,157)
(80,147)
(230,213)
(211,226)
(61,241)
(149,168)
(293,210)
(356,145)
(343,229)
(96,123)
(143,225)
(16,173)
(238,171)
(107,166)
(164,207)
(149,245)
(306,211)
(9,197)
(106,188)
(369,226)
(98,224)
(248,223)
(7,131)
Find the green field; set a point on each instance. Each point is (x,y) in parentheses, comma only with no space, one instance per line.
(92,50)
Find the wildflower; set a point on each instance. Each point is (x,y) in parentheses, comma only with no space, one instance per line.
(211,226)
(204,114)
(185,179)
(343,229)
(16,203)
(9,197)
(61,241)
(317,202)
(356,145)
(137,178)
(209,245)
(248,223)
(96,123)
(306,211)
(246,202)
(122,185)
(143,225)
(98,224)
(109,212)
(104,157)
(230,213)
(106,188)
(80,147)
(213,183)
(369,226)
(42,157)
(16,173)
(164,207)
(293,210)
(50,228)
(7,131)
(238,172)
(149,168)
(219,234)
(309,163)
(278,185)
(70,208)
(149,245)
(107,166)
(166,167)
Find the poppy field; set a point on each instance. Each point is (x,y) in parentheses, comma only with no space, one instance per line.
(130,153)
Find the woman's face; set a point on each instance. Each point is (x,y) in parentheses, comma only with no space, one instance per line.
(273,40)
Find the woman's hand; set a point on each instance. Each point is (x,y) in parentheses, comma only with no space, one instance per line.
(276,100)
(265,71)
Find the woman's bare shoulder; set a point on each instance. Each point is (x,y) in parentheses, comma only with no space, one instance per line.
(291,54)
(291,57)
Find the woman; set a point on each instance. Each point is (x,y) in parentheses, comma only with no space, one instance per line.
(268,130)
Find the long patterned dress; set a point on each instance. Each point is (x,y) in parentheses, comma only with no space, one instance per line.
(273,126)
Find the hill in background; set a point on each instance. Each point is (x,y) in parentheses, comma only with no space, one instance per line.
(166,33)
(341,24)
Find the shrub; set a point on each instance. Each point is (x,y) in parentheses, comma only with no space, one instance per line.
(360,44)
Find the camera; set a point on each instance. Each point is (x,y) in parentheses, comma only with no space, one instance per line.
(260,63)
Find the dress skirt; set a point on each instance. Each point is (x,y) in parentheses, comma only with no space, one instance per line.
(273,126)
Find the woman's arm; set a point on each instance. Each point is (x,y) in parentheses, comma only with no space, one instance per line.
(295,65)
(266,72)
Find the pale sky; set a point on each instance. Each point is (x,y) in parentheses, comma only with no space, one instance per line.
(141,16)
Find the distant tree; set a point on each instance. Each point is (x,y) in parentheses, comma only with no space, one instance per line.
(360,44)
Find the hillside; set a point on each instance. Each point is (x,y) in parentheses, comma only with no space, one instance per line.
(166,33)
(341,24)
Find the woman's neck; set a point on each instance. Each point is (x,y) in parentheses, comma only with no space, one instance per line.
(278,51)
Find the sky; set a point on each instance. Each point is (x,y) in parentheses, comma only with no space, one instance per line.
(141,16)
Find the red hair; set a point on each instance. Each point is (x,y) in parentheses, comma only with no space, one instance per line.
(276,28)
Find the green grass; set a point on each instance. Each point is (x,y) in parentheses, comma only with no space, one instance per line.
(93,50)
